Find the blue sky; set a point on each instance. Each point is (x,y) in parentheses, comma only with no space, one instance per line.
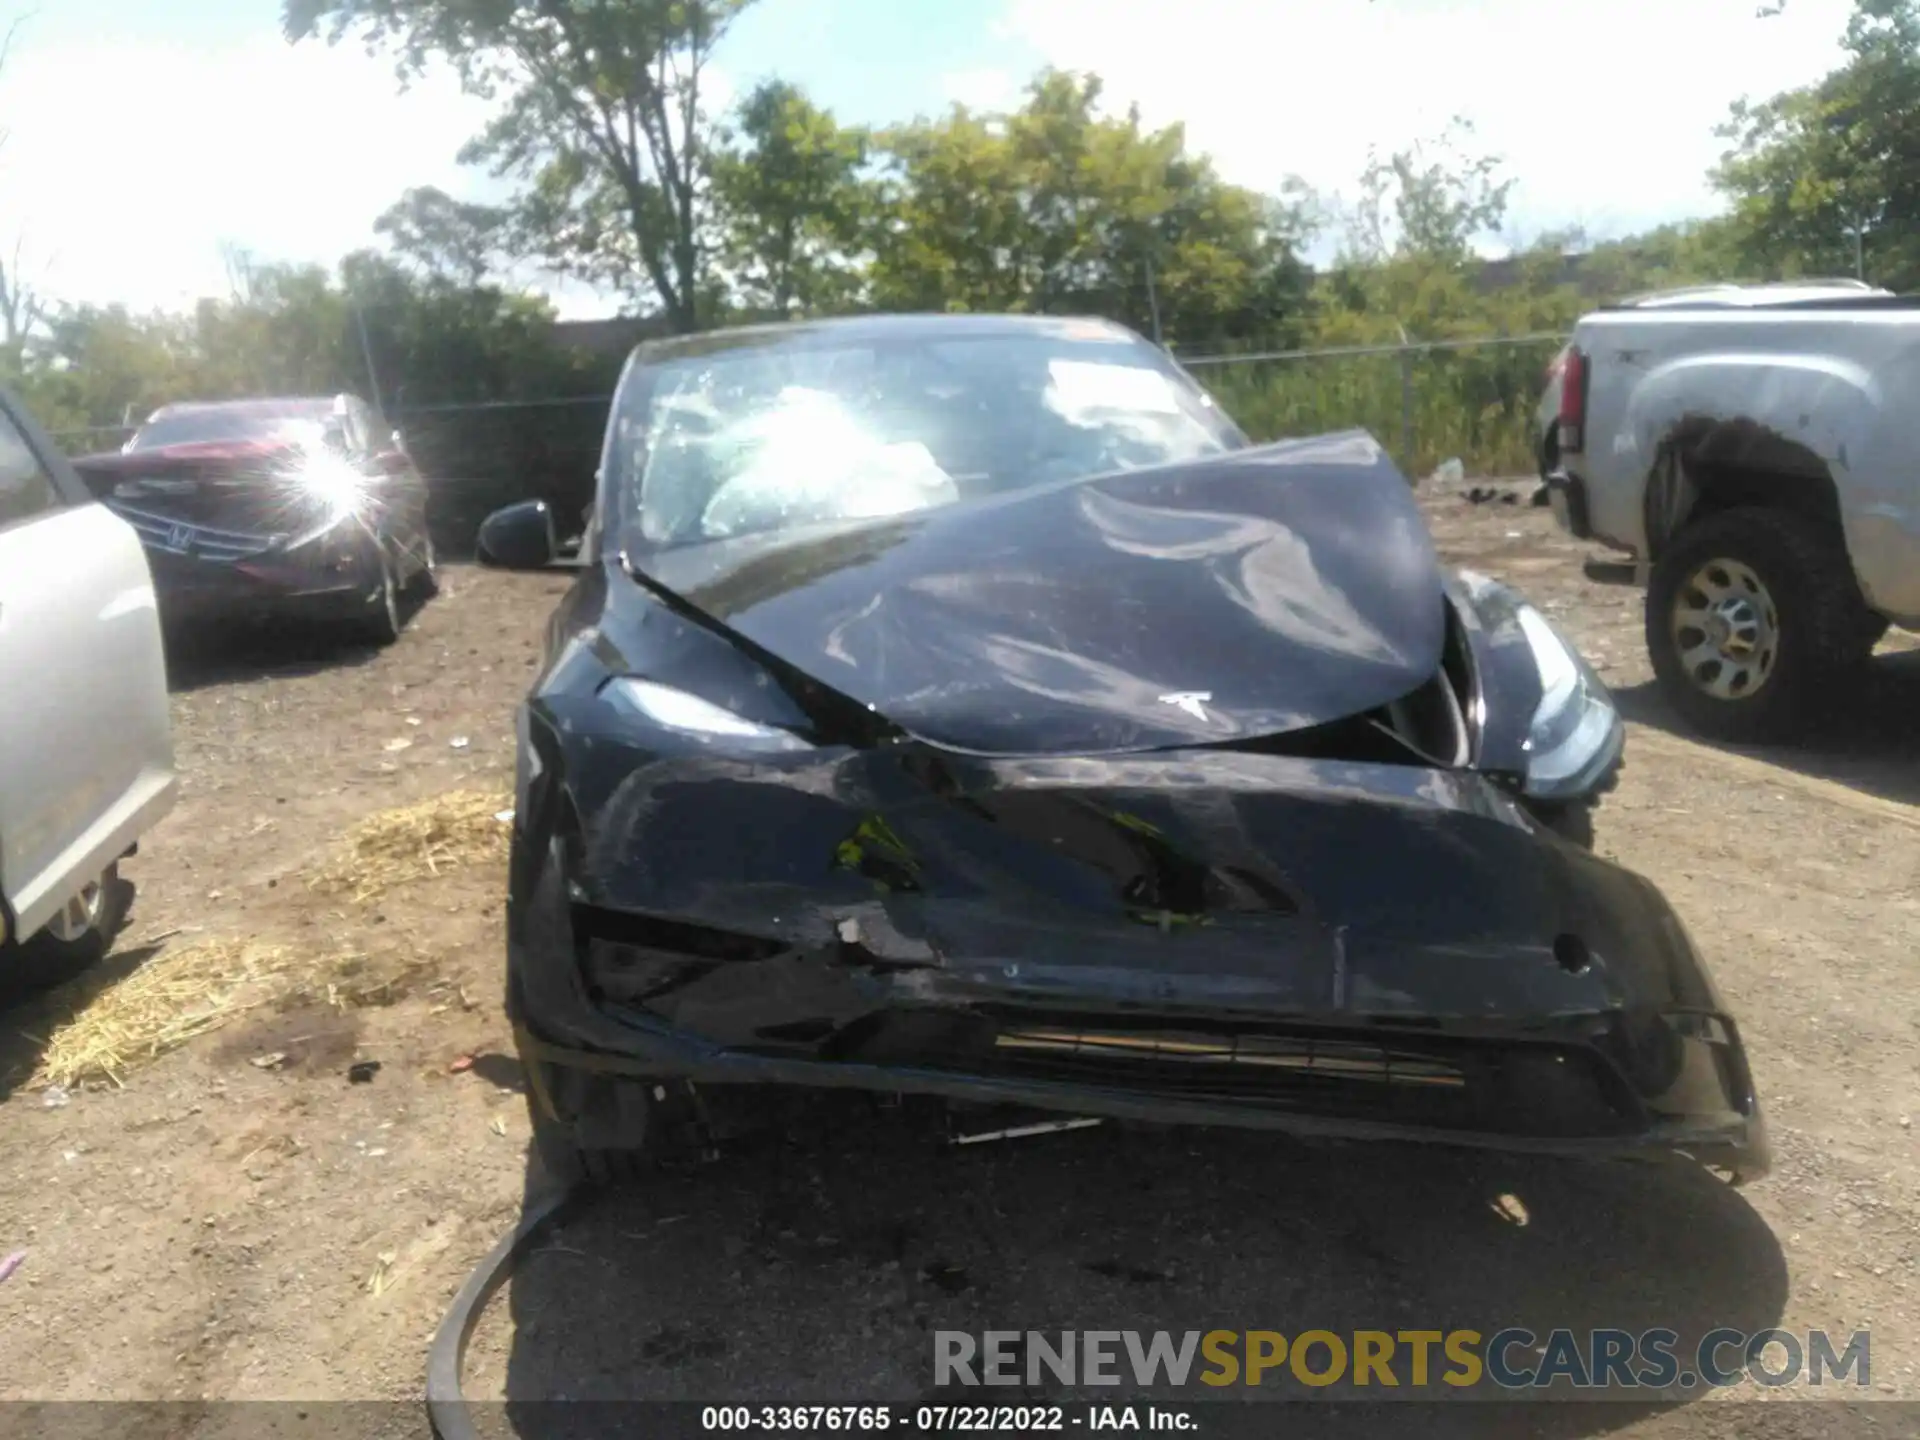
(148,137)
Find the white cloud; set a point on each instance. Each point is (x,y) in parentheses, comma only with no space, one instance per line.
(988,88)
(1605,113)
(128,166)
(131,167)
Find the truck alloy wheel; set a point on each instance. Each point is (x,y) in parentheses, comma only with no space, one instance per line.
(1726,629)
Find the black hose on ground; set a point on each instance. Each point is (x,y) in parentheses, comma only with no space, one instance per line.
(446,1359)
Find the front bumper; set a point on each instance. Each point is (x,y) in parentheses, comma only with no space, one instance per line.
(1408,957)
(313,582)
(1734,1142)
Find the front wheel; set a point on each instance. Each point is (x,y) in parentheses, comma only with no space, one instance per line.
(77,938)
(426,583)
(1750,616)
(382,622)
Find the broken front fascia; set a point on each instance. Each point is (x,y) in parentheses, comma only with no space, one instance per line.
(876,917)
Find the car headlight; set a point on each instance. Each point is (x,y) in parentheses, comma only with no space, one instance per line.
(333,484)
(690,715)
(1575,735)
(328,488)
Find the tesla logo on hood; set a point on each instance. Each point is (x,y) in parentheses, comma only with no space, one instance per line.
(1191,701)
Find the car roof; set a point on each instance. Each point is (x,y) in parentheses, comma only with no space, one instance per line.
(267,408)
(853,329)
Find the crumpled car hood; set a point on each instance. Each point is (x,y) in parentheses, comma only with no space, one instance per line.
(1263,591)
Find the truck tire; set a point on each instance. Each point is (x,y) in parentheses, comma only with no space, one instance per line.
(1751,614)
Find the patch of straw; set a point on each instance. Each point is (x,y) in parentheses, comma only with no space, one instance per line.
(415,842)
(171,999)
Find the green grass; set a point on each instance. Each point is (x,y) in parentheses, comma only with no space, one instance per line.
(1475,404)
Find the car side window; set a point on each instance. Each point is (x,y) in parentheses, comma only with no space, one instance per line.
(26,490)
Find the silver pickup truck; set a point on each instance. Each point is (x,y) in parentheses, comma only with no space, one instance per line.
(1753,449)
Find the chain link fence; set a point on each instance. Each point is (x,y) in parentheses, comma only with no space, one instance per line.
(1427,401)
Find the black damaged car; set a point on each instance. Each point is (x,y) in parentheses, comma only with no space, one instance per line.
(962,706)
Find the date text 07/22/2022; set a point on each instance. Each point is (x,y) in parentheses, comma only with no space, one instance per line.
(944,1419)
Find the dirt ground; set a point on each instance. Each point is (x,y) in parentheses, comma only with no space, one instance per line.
(216,1229)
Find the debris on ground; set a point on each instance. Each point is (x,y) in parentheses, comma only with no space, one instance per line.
(272,1060)
(382,1278)
(1510,1208)
(1449,472)
(361,1072)
(56,1097)
(12,1263)
(171,999)
(414,842)
(463,1063)
(949,1278)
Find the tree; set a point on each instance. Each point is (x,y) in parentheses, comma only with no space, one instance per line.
(293,329)
(22,306)
(443,237)
(1825,180)
(436,341)
(602,114)
(286,330)
(792,201)
(1431,201)
(1408,259)
(1059,207)
(1694,252)
(99,365)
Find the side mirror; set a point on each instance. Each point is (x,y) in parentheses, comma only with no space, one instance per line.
(519,537)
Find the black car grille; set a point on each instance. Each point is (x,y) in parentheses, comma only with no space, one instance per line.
(1486,1086)
(182,537)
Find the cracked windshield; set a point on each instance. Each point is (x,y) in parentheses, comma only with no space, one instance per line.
(745,442)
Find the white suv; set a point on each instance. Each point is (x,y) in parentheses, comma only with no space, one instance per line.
(86,752)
